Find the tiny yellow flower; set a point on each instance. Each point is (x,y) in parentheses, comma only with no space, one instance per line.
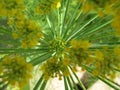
(96,72)
(15,35)
(88,6)
(99,55)
(58,4)
(16,69)
(101,13)
(84,44)
(117,50)
(1,69)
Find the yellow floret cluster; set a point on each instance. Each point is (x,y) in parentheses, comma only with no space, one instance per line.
(80,53)
(45,7)
(27,31)
(54,68)
(15,70)
(23,28)
(10,7)
(107,62)
(116,22)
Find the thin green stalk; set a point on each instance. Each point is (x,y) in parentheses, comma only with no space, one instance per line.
(79,81)
(97,46)
(76,25)
(50,25)
(71,21)
(93,38)
(105,80)
(7,51)
(40,59)
(74,34)
(4,87)
(69,82)
(43,85)
(38,83)
(64,17)
(118,70)
(58,19)
(76,88)
(27,87)
(111,84)
(5,30)
(80,11)
(96,29)
(65,84)
(9,42)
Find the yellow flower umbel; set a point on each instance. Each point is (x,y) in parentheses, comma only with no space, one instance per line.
(106,61)
(10,7)
(83,44)
(88,6)
(101,7)
(79,52)
(16,71)
(116,23)
(27,31)
(99,55)
(54,68)
(46,6)
(117,50)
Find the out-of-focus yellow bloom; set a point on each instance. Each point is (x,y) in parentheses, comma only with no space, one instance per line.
(66,60)
(117,50)
(29,42)
(27,31)
(1,69)
(106,60)
(45,7)
(54,68)
(79,53)
(84,44)
(16,70)
(81,1)
(15,35)
(58,4)
(95,72)
(10,7)
(99,55)
(107,7)
(88,6)
(101,13)
(116,23)
(10,21)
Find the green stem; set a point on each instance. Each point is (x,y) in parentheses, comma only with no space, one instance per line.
(5,51)
(69,82)
(111,84)
(76,88)
(96,29)
(50,25)
(40,59)
(79,81)
(4,30)
(65,84)
(38,83)
(64,17)
(105,80)
(71,21)
(74,34)
(43,85)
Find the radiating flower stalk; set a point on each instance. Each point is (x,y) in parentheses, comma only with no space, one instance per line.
(59,36)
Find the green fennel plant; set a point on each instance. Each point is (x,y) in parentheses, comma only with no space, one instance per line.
(57,36)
